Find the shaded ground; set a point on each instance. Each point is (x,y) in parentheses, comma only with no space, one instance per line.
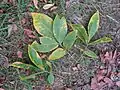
(76,11)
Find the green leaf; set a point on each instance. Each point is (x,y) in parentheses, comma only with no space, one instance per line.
(82,34)
(35,58)
(59,28)
(93,25)
(43,24)
(24,66)
(70,39)
(58,53)
(47,41)
(50,78)
(90,54)
(44,48)
(101,40)
(30,76)
(50,65)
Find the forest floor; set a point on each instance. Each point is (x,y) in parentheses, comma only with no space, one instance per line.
(72,72)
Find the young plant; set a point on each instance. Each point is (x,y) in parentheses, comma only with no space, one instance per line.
(54,38)
(86,35)
(39,66)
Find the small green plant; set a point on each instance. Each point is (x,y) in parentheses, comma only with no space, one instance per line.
(86,35)
(39,66)
(54,37)
(54,41)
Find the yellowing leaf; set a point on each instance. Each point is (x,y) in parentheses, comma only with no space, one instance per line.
(47,40)
(82,34)
(23,65)
(90,54)
(44,47)
(35,3)
(35,58)
(58,53)
(59,28)
(70,39)
(43,24)
(47,6)
(101,40)
(93,25)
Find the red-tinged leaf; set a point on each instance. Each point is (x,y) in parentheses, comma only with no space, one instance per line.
(102,58)
(29,33)
(23,21)
(19,54)
(1,11)
(108,81)
(2,89)
(2,79)
(109,69)
(94,85)
(100,77)
(118,83)
(115,54)
(102,72)
(35,3)
(118,74)
(101,84)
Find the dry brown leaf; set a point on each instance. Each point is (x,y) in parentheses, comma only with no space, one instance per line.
(94,84)
(108,81)
(48,6)
(2,89)
(118,83)
(53,8)
(100,77)
(11,28)
(35,3)
(19,54)
(29,33)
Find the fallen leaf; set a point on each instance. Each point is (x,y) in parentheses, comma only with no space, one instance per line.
(101,84)
(2,89)
(74,68)
(29,33)
(94,84)
(118,83)
(53,8)
(19,54)
(47,6)
(108,81)
(3,61)
(100,77)
(35,3)
(1,11)
(68,88)
(11,28)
